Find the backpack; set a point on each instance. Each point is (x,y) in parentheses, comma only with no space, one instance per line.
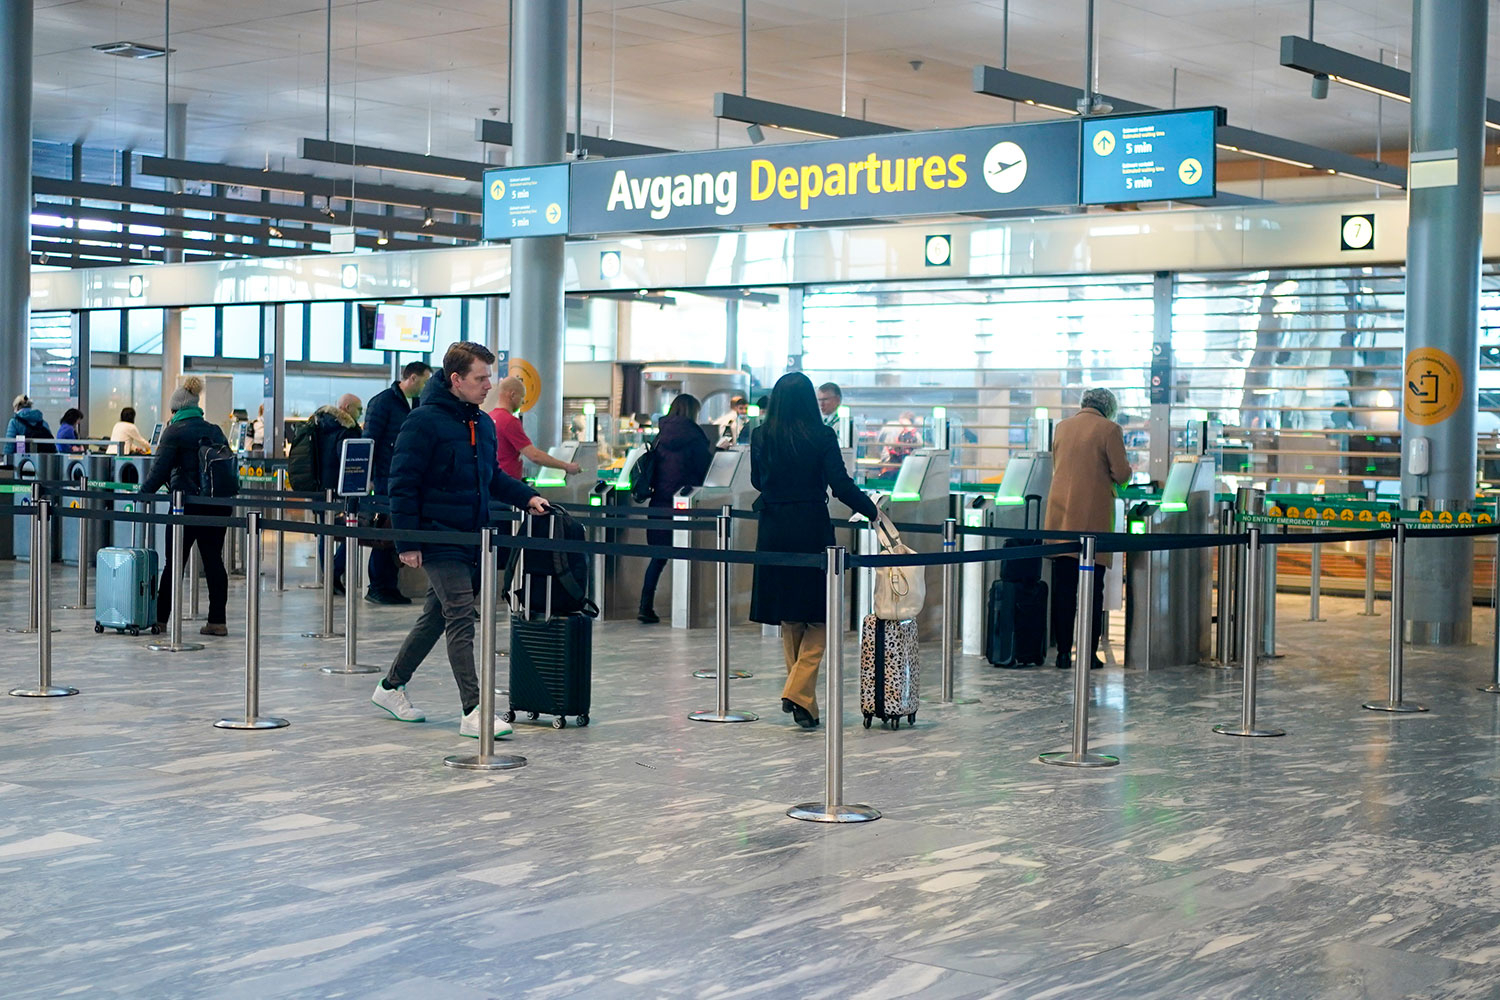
(37,429)
(218,468)
(642,475)
(302,459)
(564,576)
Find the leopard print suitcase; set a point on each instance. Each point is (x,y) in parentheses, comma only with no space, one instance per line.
(889,671)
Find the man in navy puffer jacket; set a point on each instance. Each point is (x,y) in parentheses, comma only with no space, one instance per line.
(443,476)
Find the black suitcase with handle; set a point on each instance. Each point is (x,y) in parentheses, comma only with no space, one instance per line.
(1016,609)
(551,656)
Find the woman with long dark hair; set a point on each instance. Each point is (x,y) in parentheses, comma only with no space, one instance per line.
(70,428)
(683,454)
(794,462)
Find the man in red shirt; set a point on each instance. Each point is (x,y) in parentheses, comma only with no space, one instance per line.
(513,444)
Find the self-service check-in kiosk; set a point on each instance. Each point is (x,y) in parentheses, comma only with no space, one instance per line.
(1168,597)
(556,486)
(920,496)
(1027,474)
(618,579)
(78,470)
(30,468)
(727,483)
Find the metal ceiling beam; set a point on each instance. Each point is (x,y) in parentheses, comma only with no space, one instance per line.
(73,237)
(497,133)
(327,187)
(791,118)
(352,155)
(1064,99)
(171,223)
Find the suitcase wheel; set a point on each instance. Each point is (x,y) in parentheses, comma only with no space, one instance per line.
(509,716)
(583,720)
(867,720)
(561,722)
(533,716)
(98,627)
(157,630)
(895,722)
(134,630)
(911,720)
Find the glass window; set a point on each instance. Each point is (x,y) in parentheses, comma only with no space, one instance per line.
(198,332)
(476,325)
(296,330)
(329,326)
(144,331)
(104,330)
(242,331)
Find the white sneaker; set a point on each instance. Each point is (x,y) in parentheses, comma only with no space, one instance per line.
(470,726)
(398,704)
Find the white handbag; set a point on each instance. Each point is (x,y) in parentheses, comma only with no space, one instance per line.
(899,590)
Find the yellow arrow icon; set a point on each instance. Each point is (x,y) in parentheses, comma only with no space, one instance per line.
(1104,143)
(1190,171)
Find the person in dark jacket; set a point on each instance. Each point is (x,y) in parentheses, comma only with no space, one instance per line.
(683,453)
(794,462)
(384,416)
(175,465)
(333,425)
(70,428)
(443,476)
(26,422)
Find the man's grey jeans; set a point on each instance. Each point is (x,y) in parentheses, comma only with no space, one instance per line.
(452,592)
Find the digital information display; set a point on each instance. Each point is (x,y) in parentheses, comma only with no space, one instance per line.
(1155,156)
(405,328)
(526,201)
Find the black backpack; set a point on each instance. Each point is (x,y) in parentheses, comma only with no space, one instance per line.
(559,580)
(37,429)
(641,476)
(302,459)
(218,468)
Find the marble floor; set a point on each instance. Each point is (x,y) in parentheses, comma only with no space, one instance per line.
(145,854)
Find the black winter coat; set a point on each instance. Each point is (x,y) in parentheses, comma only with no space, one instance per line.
(683,454)
(333,426)
(175,462)
(386,412)
(444,473)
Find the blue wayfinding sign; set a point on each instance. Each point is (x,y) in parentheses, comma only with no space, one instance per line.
(992,168)
(525,201)
(1151,156)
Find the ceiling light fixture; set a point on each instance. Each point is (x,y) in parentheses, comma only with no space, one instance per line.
(427,220)
(131,50)
(1320,87)
(382,239)
(756,133)
(274,230)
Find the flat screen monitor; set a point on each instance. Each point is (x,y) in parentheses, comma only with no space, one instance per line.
(721,471)
(155,435)
(909,478)
(405,328)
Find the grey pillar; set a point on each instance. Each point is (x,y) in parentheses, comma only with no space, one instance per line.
(732,333)
(1160,456)
(536,295)
(1442,303)
(15,196)
(176,146)
(171,358)
(273,386)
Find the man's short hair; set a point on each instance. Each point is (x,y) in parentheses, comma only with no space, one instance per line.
(1100,400)
(461,357)
(513,384)
(833,388)
(415,368)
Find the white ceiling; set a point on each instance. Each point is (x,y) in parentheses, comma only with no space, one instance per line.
(414,74)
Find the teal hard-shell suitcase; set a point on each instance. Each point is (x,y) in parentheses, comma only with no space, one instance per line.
(125,590)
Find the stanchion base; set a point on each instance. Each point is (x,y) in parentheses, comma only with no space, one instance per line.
(954,701)
(357,668)
(713,716)
(76,607)
(494,762)
(1224,730)
(167,647)
(1067,758)
(27,631)
(1403,707)
(1368,614)
(734,675)
(309,586)
(1315,619)
(252,722)
(1490,689)
(52,691)
(322,635)
(818,812)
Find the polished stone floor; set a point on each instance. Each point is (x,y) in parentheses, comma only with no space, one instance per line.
(145,854)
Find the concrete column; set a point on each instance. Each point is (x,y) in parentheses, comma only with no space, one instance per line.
(1442,303)
(15,197)
(732,333)
(273,387)
(1160,456)
(171,358)
(176,146)
(536,296)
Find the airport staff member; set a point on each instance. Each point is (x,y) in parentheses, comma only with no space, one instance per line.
(732,423)
(442,478)
(1088,462)
(512,444)
(384,416)
(830,398)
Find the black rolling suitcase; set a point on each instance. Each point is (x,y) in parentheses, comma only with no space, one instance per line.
(1016,610)
(551,656)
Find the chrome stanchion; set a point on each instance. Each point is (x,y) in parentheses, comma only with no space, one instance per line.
(486,759)
(833,809)
(352,570)
(281,536)
(84,535)
(322,517)
(1268,603)
(326,575)
(1225,596)
(1315,581)
(1083,644)
(1393,702)
(950,600)
(41,555)
(33,613)
(174,643)
(1493,687)
(1370,551)
(252,718)
(721,628)
(194,585)
(1249,650)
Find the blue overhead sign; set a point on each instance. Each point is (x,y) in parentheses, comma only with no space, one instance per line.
(1154,156)
(974,170)
(526,201)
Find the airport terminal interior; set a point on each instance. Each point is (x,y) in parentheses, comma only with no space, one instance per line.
(1249,244)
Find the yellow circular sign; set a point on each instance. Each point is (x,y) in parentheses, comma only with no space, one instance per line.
(1190,171)
(1329,514)
(1366,515)
(497,189)
(1466,518)
(1104,143)
(530,378)
(1276,512)
(1484,519)
(1434,386)
(554,213)
(1446,517)
(1293,512)
(1383,516)
(1425,517)
(1358,233)
(1346,514)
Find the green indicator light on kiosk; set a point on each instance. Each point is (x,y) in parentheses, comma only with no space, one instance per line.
(1009,501)
(752,410)
(1040,411)
(973,518)
(939,413)
(1137,527)
(905,497)
(588,409)
(1174,507)
(596,501)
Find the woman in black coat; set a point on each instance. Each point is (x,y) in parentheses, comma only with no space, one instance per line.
(683,454)
(794,462)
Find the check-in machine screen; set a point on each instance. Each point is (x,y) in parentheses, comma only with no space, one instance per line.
(909,479)
(721,471)
(1017,474)
(548,476)
(1179,481)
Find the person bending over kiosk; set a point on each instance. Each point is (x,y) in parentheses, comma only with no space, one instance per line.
(384,416)
(128,437)
(1088,461)
(176,465)
(794,462)
(443,476)
(683,454)
(512,444)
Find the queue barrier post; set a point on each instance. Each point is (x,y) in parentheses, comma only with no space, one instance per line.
(1225,596)
(195,583)
(1370,553)
(319,517)
(950,601)
(1493,687)
(280,539)
(721,633)
(352,569)
(327,576)
(1315,581)
(41,555)
(1393,701)
(1249,649)
(486,759)
(174,643)
(32,612)
(1079,755)
(85,535)
(833,809)
(252,718)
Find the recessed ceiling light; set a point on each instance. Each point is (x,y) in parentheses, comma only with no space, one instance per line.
(131,50)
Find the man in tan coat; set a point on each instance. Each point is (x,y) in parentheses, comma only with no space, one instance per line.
(1088,461)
